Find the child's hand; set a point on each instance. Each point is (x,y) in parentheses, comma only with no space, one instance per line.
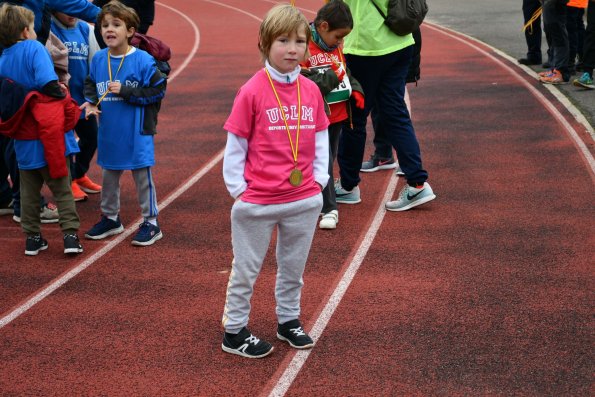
(114,87)
(90,110)
(359,99)
(339,71)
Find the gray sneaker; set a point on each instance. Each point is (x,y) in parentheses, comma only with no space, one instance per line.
(347,196)
(377,164)
(410,197)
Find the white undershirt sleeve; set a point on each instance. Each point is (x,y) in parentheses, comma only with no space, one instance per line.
(321,158)
(234,163)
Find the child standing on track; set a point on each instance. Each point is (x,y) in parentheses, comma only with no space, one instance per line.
(275,166)
(79,39)
(126,82)
(326,67)
(44,158)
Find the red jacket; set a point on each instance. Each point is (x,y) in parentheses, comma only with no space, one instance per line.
(46,118)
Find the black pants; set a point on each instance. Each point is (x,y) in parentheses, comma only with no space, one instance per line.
(533,32)
(86,130)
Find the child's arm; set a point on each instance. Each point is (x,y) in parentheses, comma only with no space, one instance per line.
(90,93)
(143,95)
(321,158)
(234,163)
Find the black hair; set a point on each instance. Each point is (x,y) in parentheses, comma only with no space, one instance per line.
(336,13)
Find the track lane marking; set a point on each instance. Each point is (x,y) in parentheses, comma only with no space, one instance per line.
(41,294)
(578,142)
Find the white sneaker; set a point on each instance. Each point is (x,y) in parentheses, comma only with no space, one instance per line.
(410,197)
(329,220)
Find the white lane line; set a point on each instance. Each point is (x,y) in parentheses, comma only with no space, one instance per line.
(73,272)
(235,9)
(579,143)
(194,47)
(301,356)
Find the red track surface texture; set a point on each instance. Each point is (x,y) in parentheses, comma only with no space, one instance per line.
(488,290)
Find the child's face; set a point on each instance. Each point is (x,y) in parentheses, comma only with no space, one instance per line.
(65,20)
(332,38)
(115,34)
(288,50)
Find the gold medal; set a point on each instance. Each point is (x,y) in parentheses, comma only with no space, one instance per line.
(295,177)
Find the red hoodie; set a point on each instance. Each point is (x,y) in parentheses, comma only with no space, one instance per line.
(46,118)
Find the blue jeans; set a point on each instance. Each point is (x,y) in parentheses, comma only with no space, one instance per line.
(383,81)
(554,23)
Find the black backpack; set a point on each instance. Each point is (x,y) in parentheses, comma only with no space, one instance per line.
(404,16)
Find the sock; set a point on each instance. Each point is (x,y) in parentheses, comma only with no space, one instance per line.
(152,221)
(113,218)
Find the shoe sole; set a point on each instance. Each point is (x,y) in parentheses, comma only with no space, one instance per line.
(325,227)
(89,191)
(308,346)
(111,232)
(574,83)
(380,167)
(152,241)
(80,198)
(239,353)
(413,204)
(33,253)
(6,212)
(349,202)
(73,250)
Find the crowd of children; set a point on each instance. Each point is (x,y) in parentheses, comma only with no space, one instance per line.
(296,106)
(38,85)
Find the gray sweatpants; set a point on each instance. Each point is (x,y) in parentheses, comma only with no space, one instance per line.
(145,191)
(251,230)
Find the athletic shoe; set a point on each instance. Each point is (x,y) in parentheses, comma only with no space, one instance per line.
(77,193)
(72,244)
(246,345)
(6,208)
(585,81)
(352,196)
(147,234)
(545,73)
(34,244)
(293,333)
(87,185)
(555,77)
(377,164)
(399,171)
(329,220)
(410,197)
(49,214)
(105,228)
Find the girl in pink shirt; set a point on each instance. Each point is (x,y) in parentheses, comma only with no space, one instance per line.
(275,166)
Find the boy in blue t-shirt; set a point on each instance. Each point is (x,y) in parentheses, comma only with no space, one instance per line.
(126,83)
(28,63)
(79,39)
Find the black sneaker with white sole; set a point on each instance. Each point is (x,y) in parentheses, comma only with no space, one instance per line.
(34,244)
(245,344)
(293,333)
(72,245)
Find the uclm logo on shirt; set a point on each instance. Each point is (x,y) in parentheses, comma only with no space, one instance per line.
(274,115)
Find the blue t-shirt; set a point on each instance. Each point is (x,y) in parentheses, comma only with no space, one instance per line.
(76,40)
(29,63)
(120,142)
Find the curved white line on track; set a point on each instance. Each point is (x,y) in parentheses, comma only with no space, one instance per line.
(579,143)
(194,47)
(235,9)
(73,272)
(301,356)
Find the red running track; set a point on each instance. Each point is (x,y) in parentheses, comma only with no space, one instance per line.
(487,290)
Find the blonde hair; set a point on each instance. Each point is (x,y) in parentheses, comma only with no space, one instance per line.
(13,19)
(281,19)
